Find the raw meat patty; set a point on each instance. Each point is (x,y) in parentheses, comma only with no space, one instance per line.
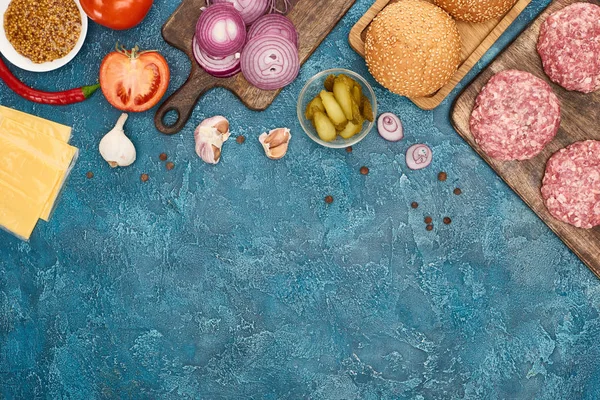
(569,45)
(516,115)
(571,186)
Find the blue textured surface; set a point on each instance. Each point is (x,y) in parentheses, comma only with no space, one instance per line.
(238,281)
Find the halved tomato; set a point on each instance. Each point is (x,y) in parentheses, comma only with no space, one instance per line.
(134,80)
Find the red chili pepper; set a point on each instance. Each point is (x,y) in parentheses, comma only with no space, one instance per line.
(37,96)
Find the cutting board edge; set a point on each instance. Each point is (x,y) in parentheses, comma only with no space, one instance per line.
(433,101)
(166,25)
(548,220)
(237,89)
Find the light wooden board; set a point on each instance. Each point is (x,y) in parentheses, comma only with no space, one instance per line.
(580,121)
(477,39)
(313,20)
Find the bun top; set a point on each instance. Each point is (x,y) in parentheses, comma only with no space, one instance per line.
(476,10)
(413,48)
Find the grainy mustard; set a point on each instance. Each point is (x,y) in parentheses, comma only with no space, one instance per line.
(42,30)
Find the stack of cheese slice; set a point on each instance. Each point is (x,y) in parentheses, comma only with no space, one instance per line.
(35,161)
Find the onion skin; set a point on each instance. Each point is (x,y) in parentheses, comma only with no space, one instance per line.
(221,17)
(273,7)
(390,127)
(270,62)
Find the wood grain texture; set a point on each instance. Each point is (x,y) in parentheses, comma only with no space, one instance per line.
(312,22)
(477,39)
(580,121)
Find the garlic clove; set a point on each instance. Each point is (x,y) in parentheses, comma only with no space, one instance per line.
(206,152)
(217,153)
(116,148)
(222,126)
(210,136)
(219,122)
(277,153)
(276,143)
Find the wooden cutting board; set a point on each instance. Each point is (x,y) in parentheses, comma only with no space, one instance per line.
(476,41)
(580,121)
(313,20)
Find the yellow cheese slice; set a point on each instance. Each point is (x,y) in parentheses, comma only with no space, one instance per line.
(27,179)
(40,125)
(18,214)
(45,127)
(26,172)
(35,159)
(47,149)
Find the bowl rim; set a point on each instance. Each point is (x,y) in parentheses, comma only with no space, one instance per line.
(356,138)
(20,61)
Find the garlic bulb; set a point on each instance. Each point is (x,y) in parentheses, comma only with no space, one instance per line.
(210,136)
(116,148)
(276,142)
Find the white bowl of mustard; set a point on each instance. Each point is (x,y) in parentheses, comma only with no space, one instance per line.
(10,53)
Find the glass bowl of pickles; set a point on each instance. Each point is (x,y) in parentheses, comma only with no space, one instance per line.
(337,108)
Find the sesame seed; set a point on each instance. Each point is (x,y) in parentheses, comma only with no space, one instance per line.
(413,24)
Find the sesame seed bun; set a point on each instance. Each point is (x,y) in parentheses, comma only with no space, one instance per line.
(476,10)
(413,48)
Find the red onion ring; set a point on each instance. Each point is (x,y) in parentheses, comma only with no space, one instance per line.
(274,24)
(390,128)
(273,7)
(250,10)
(220,30)
(418,156)
(270,62)
(217,66)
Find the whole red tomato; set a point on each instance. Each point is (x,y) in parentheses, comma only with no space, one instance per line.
(117,14)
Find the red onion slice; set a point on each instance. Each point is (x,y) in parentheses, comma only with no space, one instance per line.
(219,67)
(418,156)
(274,24)
(270,62)
(390,128)
(250,10)
(220,30)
